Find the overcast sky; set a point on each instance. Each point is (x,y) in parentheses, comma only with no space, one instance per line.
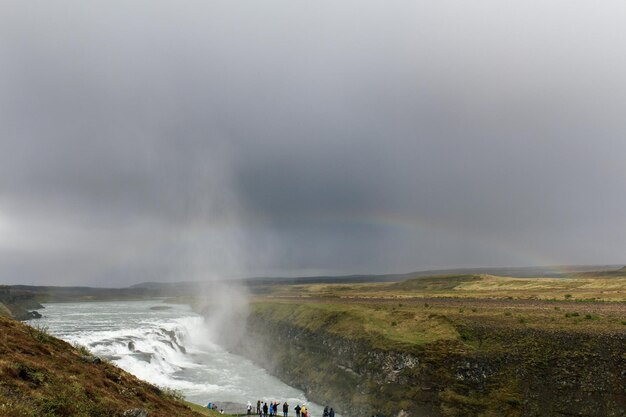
(175,140)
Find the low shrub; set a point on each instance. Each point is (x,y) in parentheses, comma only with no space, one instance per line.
(39,333)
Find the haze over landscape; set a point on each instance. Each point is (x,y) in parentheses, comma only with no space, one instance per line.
(155,141)
(341,209)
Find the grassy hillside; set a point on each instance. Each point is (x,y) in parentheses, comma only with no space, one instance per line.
(42,376)
(386,327)
(591,286)
(428,309)
(408,323)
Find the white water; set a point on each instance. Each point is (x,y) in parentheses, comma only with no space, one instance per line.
(172,348)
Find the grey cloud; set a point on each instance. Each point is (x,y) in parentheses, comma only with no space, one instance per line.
(159,140)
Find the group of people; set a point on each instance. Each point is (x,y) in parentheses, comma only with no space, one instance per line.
(263,409)
(213,406)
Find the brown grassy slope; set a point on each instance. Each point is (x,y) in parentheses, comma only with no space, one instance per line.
(42,376)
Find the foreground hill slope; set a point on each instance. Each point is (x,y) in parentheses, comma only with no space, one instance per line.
(42,376)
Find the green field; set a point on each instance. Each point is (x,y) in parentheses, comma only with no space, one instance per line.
(428,309)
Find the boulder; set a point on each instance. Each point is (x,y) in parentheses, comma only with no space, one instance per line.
(135,412)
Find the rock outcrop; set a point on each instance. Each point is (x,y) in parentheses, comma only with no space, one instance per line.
(19,305)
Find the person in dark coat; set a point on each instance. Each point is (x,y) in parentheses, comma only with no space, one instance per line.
(331,413)
(297,408)
(265,410)
(285,409)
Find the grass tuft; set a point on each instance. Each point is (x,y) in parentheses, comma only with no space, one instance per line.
(39,333)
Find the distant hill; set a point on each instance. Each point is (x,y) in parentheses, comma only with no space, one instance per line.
(621,272)
(435,283)
(58,294)
(261,285)
(515,272)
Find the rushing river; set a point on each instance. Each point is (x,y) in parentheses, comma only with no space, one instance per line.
(169,348)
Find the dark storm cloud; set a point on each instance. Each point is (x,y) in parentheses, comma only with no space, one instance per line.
(162,140)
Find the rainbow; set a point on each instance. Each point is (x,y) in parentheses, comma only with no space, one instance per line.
(503,249)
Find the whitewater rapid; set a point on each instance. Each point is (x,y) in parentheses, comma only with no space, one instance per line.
(168,347)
